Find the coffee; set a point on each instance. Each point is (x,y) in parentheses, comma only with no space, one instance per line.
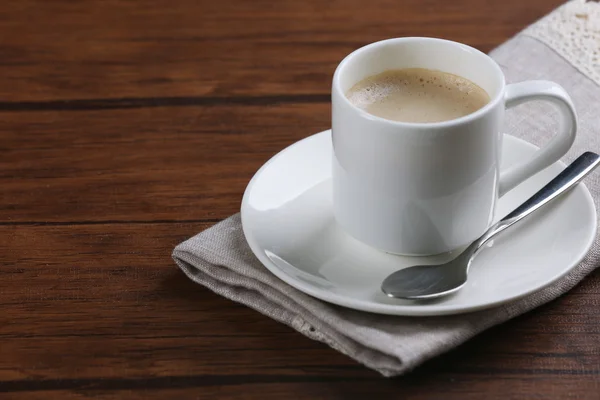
(417,95)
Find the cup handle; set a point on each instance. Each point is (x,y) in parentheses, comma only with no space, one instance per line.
(519,93)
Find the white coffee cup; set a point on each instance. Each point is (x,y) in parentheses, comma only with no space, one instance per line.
(428,188)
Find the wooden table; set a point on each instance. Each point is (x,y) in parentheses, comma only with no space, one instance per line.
(127,127)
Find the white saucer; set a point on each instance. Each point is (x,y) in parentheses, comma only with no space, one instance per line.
(288,222)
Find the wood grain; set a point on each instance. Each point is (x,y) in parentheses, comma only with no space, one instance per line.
(127,127)
(166,163)
(121,317)
(114,48)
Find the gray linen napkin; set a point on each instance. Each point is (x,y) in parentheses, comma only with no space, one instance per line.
(220,259)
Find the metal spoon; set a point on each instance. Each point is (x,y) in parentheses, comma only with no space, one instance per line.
(431,281)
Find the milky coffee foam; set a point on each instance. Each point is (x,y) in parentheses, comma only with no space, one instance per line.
(417,95)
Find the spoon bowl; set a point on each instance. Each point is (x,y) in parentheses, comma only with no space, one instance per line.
(427,281)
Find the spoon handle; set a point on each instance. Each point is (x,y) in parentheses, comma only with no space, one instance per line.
(564,181)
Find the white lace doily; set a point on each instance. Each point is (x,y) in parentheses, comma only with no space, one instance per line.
(573,31)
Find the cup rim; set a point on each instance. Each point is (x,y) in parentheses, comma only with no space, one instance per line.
(441,124)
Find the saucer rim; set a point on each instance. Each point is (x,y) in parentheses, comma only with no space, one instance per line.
(401,310)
